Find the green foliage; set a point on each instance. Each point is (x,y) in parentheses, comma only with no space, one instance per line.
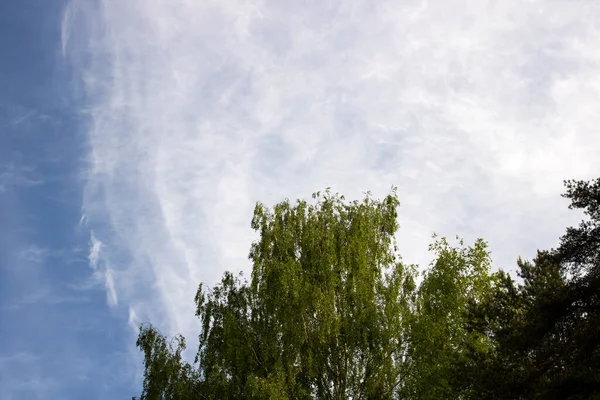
(438,335)
(331,312)
(166,376)
(546,331)
(324,313)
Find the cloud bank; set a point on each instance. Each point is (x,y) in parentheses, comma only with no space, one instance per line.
(476,110)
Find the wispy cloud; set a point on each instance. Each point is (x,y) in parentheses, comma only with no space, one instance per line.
(102,272)
(13,175)
(477,110)
(28,268)
(35,254)
(15,116)
(41,296)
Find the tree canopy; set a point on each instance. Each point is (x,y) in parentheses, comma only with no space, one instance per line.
(332,312)
(546,330)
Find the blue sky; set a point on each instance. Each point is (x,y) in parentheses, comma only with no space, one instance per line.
(135,138)
(58,338)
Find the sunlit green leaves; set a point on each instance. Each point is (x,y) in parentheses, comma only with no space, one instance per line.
(457,276)
(332,312)
(325,312)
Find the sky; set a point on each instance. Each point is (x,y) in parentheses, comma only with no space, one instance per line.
(137,136)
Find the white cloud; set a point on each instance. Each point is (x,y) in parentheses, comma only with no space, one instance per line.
(133,321)
(95,248)
(111,293)
(102,271)
(477,110)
